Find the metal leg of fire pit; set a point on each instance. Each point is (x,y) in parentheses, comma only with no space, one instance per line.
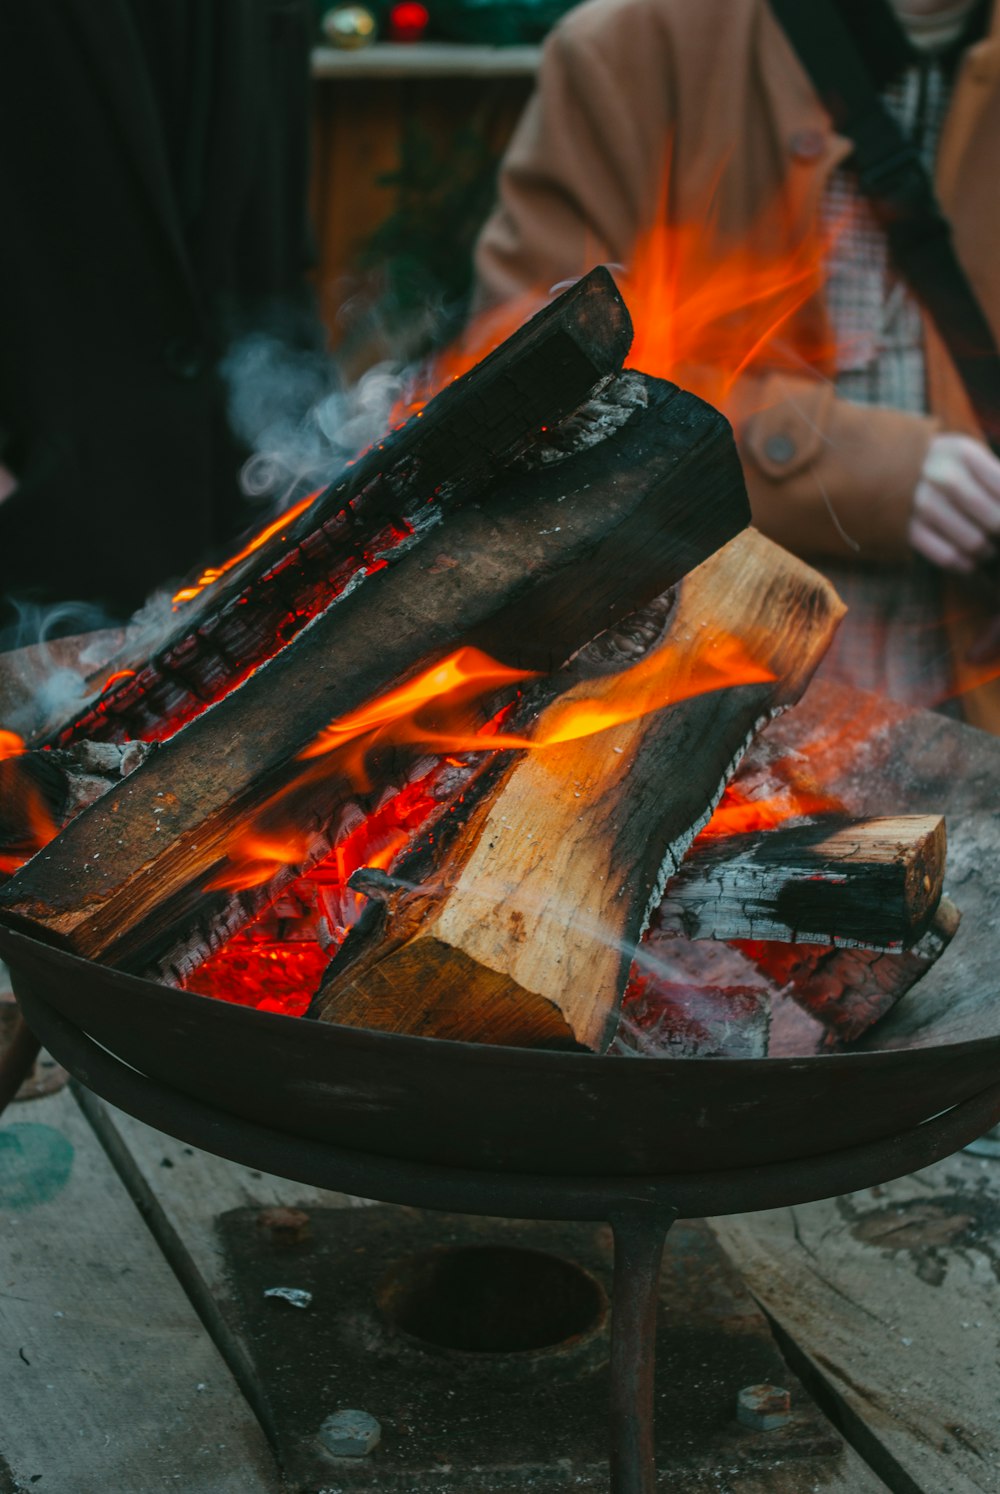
(17,1061)
(640,1235)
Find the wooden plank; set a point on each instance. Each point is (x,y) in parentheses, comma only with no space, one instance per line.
(109,1380)
(891,1298)
(183,1190)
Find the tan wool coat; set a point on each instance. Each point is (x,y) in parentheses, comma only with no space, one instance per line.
(716,85)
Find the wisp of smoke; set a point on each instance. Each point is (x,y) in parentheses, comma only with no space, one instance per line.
(290,407)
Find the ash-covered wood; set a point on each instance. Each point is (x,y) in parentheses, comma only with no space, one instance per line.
(849,990)
(689,999)
(41,791)
(524,929)
(873,882)
(441,457)
(549,558)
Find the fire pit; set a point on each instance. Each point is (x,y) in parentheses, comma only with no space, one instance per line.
(606,567)
(508,1132)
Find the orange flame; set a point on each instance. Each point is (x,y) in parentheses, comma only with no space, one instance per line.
(261,858)
(666,676)
(707,308)
(707,313)
(212,574)
(119,674)
(32,809)
(467,673)
(11,745)
(737,813)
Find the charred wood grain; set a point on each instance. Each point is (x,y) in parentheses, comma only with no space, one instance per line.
(441,457)
(545,561)
(524,930)
(849,990)
(872,882)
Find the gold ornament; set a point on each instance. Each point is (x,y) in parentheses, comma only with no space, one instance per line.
(349,27)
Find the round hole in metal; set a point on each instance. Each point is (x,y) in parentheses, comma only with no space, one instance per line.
(492,1300)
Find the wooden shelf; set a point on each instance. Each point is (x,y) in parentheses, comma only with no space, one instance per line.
(425,60)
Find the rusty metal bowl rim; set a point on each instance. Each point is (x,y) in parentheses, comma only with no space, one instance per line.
(486,1054)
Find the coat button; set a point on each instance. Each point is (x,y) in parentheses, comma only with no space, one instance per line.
(807,145)
(183,358)
(779,449)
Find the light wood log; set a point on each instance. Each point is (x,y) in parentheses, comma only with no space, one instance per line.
(524,931)
(549,558)
(872,883)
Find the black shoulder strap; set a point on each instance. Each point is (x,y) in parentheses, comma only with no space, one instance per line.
(893,177)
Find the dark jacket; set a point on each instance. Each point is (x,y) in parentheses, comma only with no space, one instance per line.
(152,205)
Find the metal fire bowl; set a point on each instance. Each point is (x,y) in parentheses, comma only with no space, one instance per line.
(285,1094)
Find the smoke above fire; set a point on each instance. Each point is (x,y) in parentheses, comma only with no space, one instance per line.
(300,421)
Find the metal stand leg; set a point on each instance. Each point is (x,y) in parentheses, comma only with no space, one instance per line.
(640,1235)
(18,1060)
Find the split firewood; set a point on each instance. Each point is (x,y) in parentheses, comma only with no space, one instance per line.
(849,990)
(873,883)
(438,459)
(550,557)
(523,928)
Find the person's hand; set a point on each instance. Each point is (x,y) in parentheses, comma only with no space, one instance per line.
(955,521)
(8,482)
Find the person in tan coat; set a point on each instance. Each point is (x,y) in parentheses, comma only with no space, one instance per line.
(859,445)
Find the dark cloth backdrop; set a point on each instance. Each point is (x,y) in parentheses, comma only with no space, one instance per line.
(153,180)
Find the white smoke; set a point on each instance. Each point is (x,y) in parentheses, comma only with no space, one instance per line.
(301,423)
(46,657)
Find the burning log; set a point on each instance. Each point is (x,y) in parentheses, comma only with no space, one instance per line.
(440,458)
(523,928)
(848,990)
(550,557)
(873,883)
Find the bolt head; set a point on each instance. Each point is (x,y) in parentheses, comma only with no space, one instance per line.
(350,1434)
(285,1226)
(763,1408)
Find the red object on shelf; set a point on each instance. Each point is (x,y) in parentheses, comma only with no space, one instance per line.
(408,21)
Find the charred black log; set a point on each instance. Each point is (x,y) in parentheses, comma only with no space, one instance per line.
(549,558)
(439,458)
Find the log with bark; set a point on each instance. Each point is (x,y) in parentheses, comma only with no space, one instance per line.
(872,882)
(523,922)
(440,458)
(849,990)
(549,557)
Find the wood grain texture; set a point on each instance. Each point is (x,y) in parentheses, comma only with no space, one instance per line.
(530,924)
(873,883)
(108,1379)
(531,576)
(891,1299)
